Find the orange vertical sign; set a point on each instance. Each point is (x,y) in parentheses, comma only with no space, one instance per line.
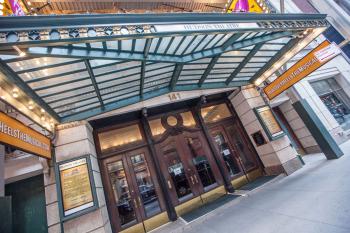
(305,66)
(18,135)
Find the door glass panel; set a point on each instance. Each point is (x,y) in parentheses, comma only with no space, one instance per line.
(145,185)
(177,174)
(188,119)
(215,113)
(201,162)
(245,154)
(121,192)
(226,154)
(156,127)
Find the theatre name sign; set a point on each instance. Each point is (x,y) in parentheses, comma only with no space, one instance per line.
(308,64)
(20,136)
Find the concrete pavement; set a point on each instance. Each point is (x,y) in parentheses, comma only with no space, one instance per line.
(315,199)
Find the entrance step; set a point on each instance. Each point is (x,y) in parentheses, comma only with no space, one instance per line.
(207,208)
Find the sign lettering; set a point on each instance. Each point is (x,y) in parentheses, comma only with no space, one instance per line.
(18,135)
(308,64)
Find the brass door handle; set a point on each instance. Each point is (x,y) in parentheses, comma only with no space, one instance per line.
(135,203)
(192,180)
(139,199)
(169,184)
(195,177)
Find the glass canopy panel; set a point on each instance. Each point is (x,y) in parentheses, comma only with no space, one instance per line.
(121,97)
(129,79)
(195,66)
(236,53)
(81,109)
(185,82)
(163,44)
(59,80)
(215,41)
(224,39)
(219,71)
(96,45)
(71,100)
(218,76)
(245,74)
(158,71)
(157,82)
(215,80)
(126,45)
(68,93)
(192,72)
(204,42)
(225,66)
(250,69)
(274,47)
(58,70)
(140,45)
(190,77)
(174,44)
(66,87)
(115,67)
(117,91)
(98,62)
(260,59)
(255,65)
(118,75)
(265,53)
(153,45)
(230,59)
(194,44)
(112,45)
(154,88)
(69,107)
(38,62)
(158,77)
(184,45)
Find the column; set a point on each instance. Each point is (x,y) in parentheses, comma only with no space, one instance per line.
(277,156)
(323,138)
(74,140)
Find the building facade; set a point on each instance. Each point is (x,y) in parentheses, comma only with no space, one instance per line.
(148,120)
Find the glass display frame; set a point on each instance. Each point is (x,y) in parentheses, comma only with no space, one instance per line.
(83,210)
(269,122)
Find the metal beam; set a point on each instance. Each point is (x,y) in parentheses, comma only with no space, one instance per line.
(275,58)
(85,114)
(147,47)
(175,76)
(244,63)
(13,78)
(207,70)
(142,82)
(94,83)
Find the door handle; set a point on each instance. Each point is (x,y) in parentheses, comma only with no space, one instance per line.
(192,179)
(195,177)
(139,199)
(135,203)
(169,184)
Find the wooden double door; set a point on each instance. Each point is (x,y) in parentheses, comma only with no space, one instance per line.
(187,165)
(136,193)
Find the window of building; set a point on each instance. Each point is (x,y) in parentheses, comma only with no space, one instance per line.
(120,137)
(336,100)
(215,113)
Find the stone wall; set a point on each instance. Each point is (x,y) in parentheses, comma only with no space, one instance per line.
(74,140)
(277,156)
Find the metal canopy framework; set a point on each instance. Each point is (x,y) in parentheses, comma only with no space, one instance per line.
(83,65)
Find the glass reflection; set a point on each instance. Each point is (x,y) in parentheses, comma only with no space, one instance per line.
(215,113)
(177,174)
(145,185)
(226,154)
(121,192)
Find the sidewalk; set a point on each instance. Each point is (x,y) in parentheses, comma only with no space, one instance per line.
(315,199)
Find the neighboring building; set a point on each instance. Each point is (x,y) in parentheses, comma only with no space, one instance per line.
(150,115)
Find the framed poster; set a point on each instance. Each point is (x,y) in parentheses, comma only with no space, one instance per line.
(269,122)
(76,187)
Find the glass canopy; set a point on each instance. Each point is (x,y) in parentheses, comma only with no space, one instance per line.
(83,65)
